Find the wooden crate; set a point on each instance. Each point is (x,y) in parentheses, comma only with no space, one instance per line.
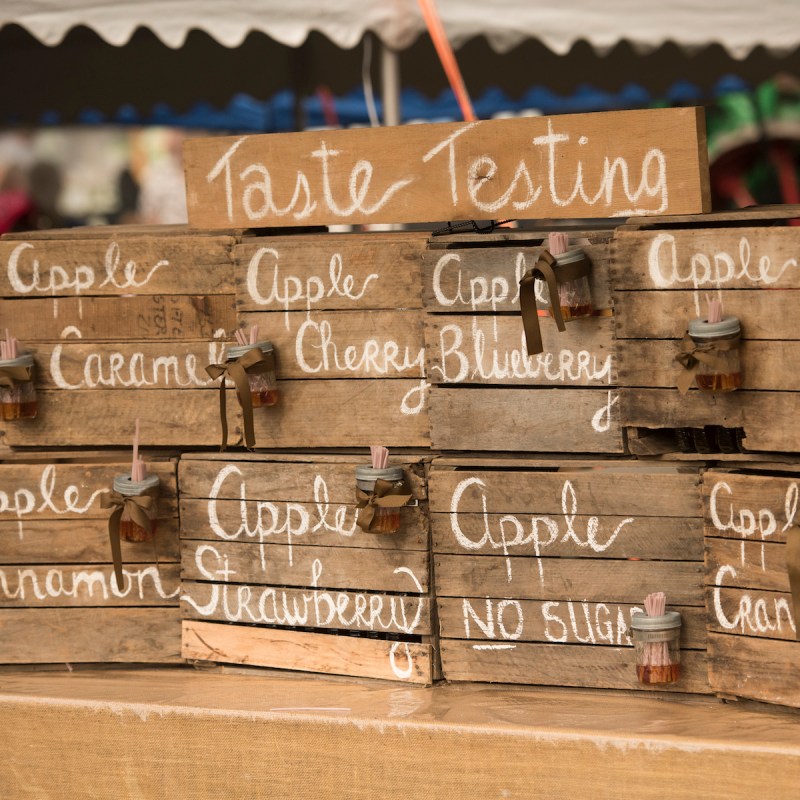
(487,393)
(122,322)
(753,650)
(59,600)
(539,565)
(276,573)
(344,314)
(661,273)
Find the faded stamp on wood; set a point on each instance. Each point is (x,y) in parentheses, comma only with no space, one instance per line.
(277,573)
(662,277)
(539,567)
(753,647)
(59,597)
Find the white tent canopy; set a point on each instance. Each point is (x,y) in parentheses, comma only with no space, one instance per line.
(738,25)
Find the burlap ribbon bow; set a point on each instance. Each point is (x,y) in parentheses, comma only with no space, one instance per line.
(384,495)
(543,269)
(137,508)
(692,355)
(793,568)
(10,376)
(253,362)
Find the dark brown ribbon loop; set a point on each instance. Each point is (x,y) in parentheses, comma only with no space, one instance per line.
(692,355)
(137,508)
(384,495)
(11,376)
(252,362)
(527,301)
(793,568)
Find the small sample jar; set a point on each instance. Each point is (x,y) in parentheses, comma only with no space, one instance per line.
(657,643)
(574,296)
(18,401)
(727,333)
(263,384)
(386,520)
(129,529)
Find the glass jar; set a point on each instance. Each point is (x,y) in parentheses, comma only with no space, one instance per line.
(262,380)
(574,293)
(386,520)
(129,529)
(18,401)
(657,643)
(727,375)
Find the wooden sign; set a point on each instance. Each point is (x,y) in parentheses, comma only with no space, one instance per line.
(59,599)
(277,573)
(614,164)
(539,566)
(753,646)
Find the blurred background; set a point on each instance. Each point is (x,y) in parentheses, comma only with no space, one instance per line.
(97,97)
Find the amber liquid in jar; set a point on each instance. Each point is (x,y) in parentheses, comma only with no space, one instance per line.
(576,312)
(668,673)
(130,531)
(718,382)
(26,410)
(264,397)
(386,520)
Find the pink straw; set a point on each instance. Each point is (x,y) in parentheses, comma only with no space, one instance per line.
(714,310)
(380,456)
(557,243)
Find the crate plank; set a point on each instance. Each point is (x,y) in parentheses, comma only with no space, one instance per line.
(747,565)
(747,612)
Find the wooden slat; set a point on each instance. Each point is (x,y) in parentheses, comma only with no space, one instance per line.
(533,420)
(504,621)
(314,608)
(90,635)
(563,665)
(335,568)
(762,614)
(492,350)
(323,272)
(746,565)
(141,265)
(307,652)
(761,669)
(567,579)
(739,216)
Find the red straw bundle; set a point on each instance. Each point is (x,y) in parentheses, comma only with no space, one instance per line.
(9,347)
(656,654)
(714,310)
(138,469)
(557,243)
(244,338)
(380,456)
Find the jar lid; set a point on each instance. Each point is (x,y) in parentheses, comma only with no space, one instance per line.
(237,351)
(708,330)
(366,473)
(125,486)
(644,622)
(571,256)
(22,360)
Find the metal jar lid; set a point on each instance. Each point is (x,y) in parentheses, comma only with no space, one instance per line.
(570,256)
(22,360)
(370,474)
(237,351)
(644,622)
(125,486)
(700,329)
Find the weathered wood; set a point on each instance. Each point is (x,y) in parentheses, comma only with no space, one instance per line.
(666,315)
(761,669)
(651,363)
(740,216)
(327,567)
(756,412)
(89,585)
(308,652)
(563,665)
(746,565)
(758,613)
(323,523)
(606,624)
(122,231)
(492,350)
(114,319)
(314,608)
(533,420)
(707,259)
(140,265)
(622,488)
(464,280)
(567,579)
(90,635)
(522,167)
(344,344)
(80,541)
(563,535)
(323,272)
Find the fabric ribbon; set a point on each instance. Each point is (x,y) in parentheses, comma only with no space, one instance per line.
(137,508)
(253,362)
(10,376)
(793,568)
(384,495)
(692,355)
(543,268)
